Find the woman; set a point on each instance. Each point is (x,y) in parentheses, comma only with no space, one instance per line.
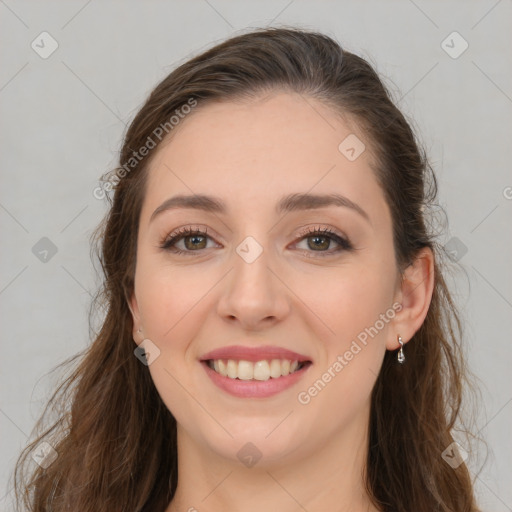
(278,331)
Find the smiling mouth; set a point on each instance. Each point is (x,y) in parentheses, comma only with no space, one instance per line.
(258,370)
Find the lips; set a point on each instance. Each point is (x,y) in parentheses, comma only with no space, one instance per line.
(254,372)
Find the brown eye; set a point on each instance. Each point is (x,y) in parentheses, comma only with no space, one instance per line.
(320,239)
(193,239)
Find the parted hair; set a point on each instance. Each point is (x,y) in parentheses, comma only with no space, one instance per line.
(115,438)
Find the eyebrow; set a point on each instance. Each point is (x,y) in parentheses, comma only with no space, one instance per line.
(289,203)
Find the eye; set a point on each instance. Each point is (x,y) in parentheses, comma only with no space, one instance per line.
(322,239)
(195,239)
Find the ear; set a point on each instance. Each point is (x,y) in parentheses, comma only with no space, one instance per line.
(414,292)
(134,309)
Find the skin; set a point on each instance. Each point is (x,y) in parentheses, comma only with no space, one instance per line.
(250,154)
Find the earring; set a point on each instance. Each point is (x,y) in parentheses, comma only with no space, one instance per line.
(401,355)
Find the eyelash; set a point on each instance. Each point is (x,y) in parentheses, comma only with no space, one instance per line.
(343,243)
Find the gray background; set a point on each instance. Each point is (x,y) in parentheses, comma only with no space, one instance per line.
(63,118)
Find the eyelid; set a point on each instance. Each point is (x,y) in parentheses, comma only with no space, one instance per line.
(184,231)
(316,228)
(343,242)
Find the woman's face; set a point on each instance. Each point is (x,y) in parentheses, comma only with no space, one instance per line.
(265,279)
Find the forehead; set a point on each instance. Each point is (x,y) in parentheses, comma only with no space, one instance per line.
(276,125)
(261,148)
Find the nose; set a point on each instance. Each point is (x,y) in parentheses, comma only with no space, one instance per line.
(254,295)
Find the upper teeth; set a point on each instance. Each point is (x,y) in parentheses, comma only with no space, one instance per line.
(260,370)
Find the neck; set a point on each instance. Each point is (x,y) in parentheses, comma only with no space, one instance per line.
(330,478)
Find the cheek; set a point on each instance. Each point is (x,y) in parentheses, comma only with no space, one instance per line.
(339,386)
(356,305)
(169,298)
(172,302)
(351,300)
(341,301)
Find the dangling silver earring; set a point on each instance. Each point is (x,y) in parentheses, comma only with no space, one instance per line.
(401,355)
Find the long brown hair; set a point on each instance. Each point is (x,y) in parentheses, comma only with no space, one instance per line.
(115,438)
